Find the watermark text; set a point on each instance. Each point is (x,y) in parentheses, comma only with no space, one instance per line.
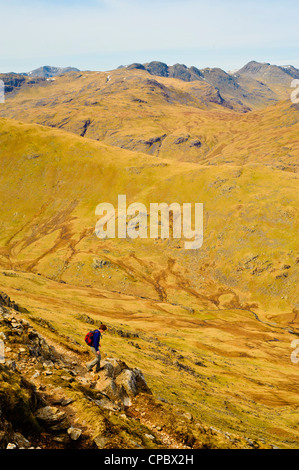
(135,221)
(295,93)
(2,92)
(295,353)
(2,353)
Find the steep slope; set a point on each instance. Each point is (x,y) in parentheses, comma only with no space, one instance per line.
(249,92)
(219,379)
(49,401)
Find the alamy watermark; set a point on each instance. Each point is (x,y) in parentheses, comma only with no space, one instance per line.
(295,353)
(295,93)
(132,221)
(2,352)
(2,92)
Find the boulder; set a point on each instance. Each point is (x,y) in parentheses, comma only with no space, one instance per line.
(74,433)
(119,382)
(127,380)
(52,418)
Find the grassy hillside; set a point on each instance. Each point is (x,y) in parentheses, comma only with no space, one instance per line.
(214,325)
(52,181)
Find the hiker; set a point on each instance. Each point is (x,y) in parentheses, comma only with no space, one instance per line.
(94,342)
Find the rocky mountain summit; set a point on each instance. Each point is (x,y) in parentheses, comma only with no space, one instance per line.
(266,71)
(250,86)
(180,71)
(49,400)
(254,69)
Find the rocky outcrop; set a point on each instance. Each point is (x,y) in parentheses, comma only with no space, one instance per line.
(160,69)
(6,301)
(86,125)
(12,81)
(157,68)
(182,72)
(121,383)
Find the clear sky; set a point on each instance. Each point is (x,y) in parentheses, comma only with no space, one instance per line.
(103,34)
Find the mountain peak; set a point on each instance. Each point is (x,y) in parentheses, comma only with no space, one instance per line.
(270,73)
(254,67)
(48,71)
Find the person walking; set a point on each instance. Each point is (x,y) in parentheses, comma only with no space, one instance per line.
(95,345)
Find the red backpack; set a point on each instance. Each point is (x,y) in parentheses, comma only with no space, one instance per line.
(89,338)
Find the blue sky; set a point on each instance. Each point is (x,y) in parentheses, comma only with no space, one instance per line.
(103,34)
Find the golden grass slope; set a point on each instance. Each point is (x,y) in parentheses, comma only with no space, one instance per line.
(52,181)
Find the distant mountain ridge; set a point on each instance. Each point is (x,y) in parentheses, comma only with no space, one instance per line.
(255,85)
(48,71)
(252,86)
(181,71)
(14,81)
(253,69)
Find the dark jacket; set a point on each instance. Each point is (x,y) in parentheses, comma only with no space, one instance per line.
(96,339)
